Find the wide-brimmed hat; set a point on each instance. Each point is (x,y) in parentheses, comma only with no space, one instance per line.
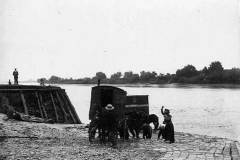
(109,107)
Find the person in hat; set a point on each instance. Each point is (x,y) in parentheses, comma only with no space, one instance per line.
(167,130)
(109,107)
(109,123)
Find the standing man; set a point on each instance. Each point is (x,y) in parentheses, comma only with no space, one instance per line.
(110,123)
(15,75)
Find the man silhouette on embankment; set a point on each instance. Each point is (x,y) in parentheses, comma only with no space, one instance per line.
(15,75)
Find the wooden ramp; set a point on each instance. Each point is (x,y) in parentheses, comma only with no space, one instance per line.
(48,102)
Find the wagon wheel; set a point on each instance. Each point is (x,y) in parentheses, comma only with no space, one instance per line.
(91,131)
(91,134)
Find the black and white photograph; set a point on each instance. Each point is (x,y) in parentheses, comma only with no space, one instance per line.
(119,79)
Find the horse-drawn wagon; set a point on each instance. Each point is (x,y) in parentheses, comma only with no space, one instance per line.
(130,111)
(102,95)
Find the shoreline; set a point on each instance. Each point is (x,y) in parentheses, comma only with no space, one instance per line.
(210,85)
(167,85)
(26,140)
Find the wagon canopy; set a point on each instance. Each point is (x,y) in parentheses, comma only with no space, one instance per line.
(101,96)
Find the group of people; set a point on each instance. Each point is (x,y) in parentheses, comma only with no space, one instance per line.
(15,76)
(109,126)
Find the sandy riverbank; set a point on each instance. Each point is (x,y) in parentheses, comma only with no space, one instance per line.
(24,140)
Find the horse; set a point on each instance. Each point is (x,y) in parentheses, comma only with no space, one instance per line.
(147,131)
(135,120)
(123,129)
(153,118)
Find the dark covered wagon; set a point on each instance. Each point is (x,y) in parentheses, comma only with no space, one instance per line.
(104,95)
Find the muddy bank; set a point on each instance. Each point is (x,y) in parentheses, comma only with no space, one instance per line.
(24,140)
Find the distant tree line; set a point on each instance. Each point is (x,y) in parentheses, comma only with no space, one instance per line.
(214,73)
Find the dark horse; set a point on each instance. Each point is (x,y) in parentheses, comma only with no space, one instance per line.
(136,119)
(153,118)
(123,129)
(147,131)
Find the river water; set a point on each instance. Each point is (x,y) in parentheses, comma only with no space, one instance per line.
(202,109)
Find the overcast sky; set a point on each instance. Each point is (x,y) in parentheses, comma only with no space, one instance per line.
(77,38)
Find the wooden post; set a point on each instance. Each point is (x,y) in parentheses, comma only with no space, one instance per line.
(39,106)
(54,106)
(62,106)
(41,102)
(67,105)
(73,109)
(24,103)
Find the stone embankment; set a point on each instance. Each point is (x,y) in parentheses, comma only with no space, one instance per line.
(24,140)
